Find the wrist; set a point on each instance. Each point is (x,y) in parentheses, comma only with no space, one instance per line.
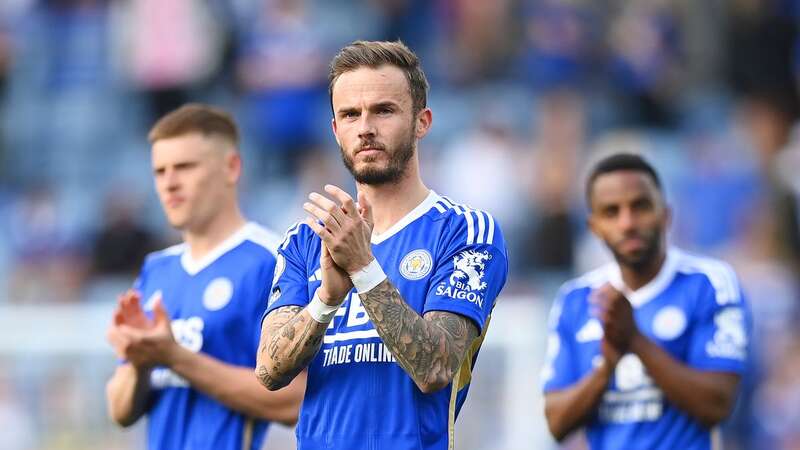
(327,298)
(637,343)
(368,277)
(173,354)
(319,311)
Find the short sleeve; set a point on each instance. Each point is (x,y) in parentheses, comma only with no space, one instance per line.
(559,371)
(469,275)
(721,332)
(290,281)
(261,283)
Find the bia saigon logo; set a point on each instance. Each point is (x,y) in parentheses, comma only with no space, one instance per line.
(466,281)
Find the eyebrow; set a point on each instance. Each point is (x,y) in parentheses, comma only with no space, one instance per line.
(382,104)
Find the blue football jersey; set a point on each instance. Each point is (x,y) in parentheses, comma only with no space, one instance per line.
(215,305)
(441,256)
(694,309)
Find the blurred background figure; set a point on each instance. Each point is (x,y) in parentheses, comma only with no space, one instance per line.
(526,95)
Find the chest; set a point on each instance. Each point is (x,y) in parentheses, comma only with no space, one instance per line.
(202,307)
(666,320)
(409,261)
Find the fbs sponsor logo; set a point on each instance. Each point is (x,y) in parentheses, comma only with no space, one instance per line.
(188,333)
(466,281)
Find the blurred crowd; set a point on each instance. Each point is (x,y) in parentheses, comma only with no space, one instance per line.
(525,95)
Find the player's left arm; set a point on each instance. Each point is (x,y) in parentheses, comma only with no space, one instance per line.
(238,388)
(708,396)
(429,348)
(234,386)
(706,385)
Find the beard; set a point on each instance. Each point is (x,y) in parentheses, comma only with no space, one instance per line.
(642,259)
(395,168)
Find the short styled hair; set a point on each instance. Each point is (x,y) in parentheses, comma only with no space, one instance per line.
(619,162)
(375,54)
(196,118)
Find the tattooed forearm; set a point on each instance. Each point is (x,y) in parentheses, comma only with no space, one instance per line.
(429,349)
(289,341)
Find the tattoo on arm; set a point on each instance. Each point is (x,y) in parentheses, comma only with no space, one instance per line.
(289,341)
(429,349)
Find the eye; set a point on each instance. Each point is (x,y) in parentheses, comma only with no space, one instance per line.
(609,212)
(642,205)
(349,114)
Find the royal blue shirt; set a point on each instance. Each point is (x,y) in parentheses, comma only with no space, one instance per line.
(694,309)
(441,257)
(215,305)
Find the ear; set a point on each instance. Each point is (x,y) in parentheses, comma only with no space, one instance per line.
(591,222)
(233,166)
(667,216)
(335,131)
(423,122)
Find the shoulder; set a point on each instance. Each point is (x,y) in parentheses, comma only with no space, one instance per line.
(573,292)
(164,256)
(588,281)
(716,273)
(262,237)
(466,225)
(298,239)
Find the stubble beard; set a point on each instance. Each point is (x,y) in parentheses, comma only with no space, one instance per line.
(394,170)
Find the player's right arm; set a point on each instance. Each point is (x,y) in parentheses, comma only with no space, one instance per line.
(570,408)
(571,401)
(127,393)
(128,389)
(290,336)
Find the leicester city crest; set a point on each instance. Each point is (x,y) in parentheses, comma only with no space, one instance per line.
(416,264)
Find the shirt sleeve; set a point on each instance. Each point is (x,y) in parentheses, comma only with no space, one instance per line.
(290,284)
(721,331)
(559,371)
(262,284)
(470,274)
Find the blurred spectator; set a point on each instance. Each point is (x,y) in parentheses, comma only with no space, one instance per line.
(120,244)
(645,49)
(549,235)
(46,266)
(558,37)
(282,72)
(481,167)
(480,40)
(411,21)
(168,49)
(721,176)
(776,401)
(761,38)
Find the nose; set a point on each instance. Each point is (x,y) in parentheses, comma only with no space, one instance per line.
(627,220)
(171,180)
(366,127)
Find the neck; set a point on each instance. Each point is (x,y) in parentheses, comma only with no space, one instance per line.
(637,276)
(391,202)
(203,239)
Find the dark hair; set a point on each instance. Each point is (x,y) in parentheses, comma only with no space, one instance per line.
(618,162)
(375,54)
(195,118)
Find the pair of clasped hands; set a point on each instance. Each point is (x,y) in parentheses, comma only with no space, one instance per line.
(140,340)
(616,316)
(346,231)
